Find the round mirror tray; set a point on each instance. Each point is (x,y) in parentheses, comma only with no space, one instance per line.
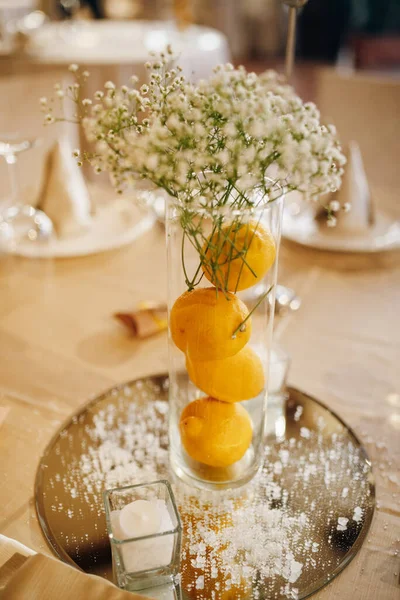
(285,534)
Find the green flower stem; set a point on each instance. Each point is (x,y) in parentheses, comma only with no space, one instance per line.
(187,281)
(252,311)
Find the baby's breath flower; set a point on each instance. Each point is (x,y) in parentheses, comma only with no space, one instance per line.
(346,207)
(85,74)
(76,152)
(234,126)
(73,68)
(60,93)
(152,162)
(332,221)
(43,101)
(79,163)
(334,205)
(218,139)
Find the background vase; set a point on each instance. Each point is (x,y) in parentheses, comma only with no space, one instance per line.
(231,381)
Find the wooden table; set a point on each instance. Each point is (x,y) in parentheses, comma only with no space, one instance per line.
(59,346)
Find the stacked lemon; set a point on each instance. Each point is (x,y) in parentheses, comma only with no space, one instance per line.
(212,326)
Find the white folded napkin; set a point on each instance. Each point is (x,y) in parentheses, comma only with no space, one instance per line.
(40,577)
(354,191)
(65,197)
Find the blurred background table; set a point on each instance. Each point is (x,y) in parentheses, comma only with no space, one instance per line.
(60,346)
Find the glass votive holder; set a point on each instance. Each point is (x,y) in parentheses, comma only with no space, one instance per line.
(167,591)
(144,530)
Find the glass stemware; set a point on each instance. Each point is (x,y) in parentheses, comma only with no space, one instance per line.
(19,221)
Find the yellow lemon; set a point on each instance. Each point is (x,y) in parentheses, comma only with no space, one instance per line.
(215,433)
(203,321)
(232,379)
(238,255)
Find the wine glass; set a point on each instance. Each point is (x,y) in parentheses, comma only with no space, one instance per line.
(19,221)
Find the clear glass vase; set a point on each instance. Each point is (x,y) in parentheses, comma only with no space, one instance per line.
(222,269)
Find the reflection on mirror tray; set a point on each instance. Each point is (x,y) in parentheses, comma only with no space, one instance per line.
(287,533)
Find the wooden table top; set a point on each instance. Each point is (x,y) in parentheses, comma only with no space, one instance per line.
(59,346)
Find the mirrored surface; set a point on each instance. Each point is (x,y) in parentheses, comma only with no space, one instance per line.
(284,535)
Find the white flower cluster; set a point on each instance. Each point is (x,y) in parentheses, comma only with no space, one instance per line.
(228,134)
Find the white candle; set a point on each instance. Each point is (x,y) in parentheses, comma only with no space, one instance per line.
(141,518)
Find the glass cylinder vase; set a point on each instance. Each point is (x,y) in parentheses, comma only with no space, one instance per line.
(222,269)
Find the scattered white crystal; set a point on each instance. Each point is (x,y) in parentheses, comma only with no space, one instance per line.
(342,524)
(284,456)
(229,537)
(200,583)
(305,433)
(298,412)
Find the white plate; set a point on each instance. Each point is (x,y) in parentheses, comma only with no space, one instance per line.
(114,224)
(303,229)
